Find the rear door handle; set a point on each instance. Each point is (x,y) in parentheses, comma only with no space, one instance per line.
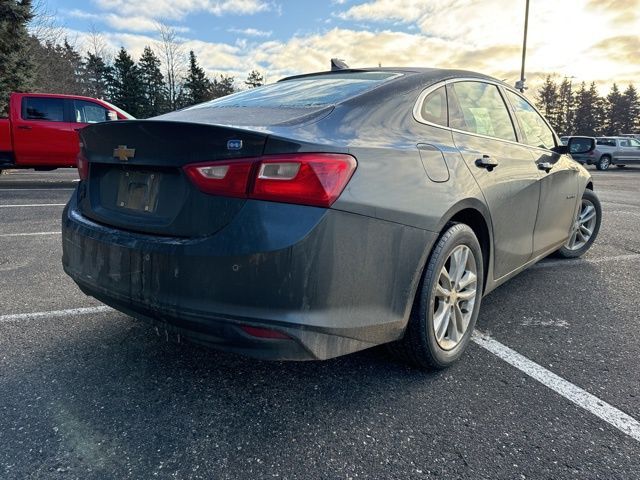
(24,127)
(487,162)
(546,166)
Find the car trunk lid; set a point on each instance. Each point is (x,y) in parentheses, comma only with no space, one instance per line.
(136,181)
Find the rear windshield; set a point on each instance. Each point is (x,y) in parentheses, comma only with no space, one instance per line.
(316,91)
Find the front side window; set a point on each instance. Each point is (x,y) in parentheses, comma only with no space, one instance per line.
(478,107)
(41,108)
(634,142)
(434,107)
(536,132)
(89,112)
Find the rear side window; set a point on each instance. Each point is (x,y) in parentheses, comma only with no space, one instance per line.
(478,107)
(434,107)
(609,142)
(38,108)
(536,132)
(89,112)
(316,91)
(625,143)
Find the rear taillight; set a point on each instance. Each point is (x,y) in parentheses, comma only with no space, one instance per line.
(228,179)
(315,179)
(83,165)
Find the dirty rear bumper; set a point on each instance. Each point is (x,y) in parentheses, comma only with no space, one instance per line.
(332,281)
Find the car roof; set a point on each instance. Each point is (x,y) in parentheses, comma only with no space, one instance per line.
(427,75)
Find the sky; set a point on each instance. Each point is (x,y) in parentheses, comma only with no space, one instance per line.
(586,40)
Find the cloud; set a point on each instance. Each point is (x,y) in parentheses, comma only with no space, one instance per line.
(179,9)
(250,32)
(123,23)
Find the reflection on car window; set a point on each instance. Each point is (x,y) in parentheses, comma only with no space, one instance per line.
(434,108)
(634,142)
(50,109)
(478,108)
(315,91)
(625,143)
(89,112)
(534,128)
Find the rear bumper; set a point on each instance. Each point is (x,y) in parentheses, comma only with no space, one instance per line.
(332,281)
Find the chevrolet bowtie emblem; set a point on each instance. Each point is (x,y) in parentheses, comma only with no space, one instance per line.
(123,153)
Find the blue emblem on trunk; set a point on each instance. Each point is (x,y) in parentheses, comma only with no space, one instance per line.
(234,144)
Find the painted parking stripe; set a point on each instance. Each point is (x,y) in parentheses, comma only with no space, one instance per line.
(28,234)
(568,390)
(36,189)
(55,313)
(586,261)
(34,205)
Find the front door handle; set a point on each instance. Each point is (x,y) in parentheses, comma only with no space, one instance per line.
(546,166)
(487,162)
(24,127)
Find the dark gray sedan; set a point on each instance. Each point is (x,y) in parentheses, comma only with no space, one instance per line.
(327,213)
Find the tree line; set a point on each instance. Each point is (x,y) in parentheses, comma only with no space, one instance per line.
(582,111)
(164,78)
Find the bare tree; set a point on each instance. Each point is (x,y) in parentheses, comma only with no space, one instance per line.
(174,62)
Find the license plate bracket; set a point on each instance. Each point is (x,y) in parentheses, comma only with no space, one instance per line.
(138,191)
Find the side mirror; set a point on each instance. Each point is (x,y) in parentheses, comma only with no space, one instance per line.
(112,115)
(581,145)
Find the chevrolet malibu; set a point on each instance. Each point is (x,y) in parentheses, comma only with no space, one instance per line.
(327,213)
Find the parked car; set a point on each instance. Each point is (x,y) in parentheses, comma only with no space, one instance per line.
(618,151)
(41,130)
(327,213)
(631,135)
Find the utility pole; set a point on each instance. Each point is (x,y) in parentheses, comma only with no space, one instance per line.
(520,83)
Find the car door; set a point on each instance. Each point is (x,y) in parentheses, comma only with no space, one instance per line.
(558,174)
(485,135)
(629,151)
(42,136)
(85,112)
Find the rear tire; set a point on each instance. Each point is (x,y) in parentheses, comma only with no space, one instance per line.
(580,240)
(604,163)
(446,306)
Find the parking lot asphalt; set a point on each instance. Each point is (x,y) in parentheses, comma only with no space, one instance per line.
(99,395)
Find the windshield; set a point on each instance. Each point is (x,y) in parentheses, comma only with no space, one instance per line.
(315,91)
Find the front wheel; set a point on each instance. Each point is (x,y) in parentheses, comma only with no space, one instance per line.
(447,303)
(585,227)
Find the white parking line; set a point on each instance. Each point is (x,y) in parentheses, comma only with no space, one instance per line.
(28,234)
(34,205)
(580,397)
(36,189)
(586,261)
(54,313)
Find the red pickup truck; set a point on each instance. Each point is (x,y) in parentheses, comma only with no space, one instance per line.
(41,130)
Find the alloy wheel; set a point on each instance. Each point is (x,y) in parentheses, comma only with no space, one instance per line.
(455,296)
(583,226)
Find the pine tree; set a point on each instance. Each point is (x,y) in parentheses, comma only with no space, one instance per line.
(223,86)
(153,87)
(631,119)
(614,112)
(197,87)
(96,74)
(586,115)
(58,68)
(566,107)
(16,66)
(255,79)
(125,85)
(548,102)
